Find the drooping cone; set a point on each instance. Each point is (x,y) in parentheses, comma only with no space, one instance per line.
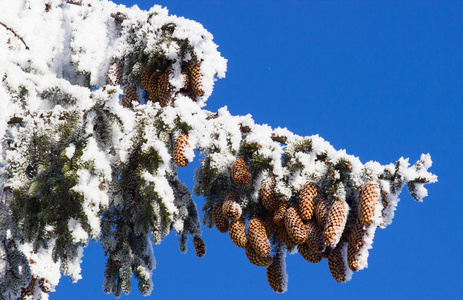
(195,79)
(231,209)
(356,243)
(238,233)
(268,196)
(369,199)
(280,213)
(145,78)
(256,259)
(322,207)
(257,237)
(179,150)
(335,223)
(276,274)
(240,173)
(152,86)
(219,220)
(164,88)
(200,246)
(269,225)
(294,226)
(129,96)
(283,236)
(337,262)
(308,254)
(115,74)
(306,201)
(314,236)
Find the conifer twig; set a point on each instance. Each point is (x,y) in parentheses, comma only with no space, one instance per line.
(15,34)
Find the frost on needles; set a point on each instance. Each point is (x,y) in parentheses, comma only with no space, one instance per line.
(101,103)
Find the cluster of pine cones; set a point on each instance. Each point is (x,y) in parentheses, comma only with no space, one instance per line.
(156,84)
(313,224)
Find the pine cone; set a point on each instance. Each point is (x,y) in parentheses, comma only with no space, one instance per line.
(308,254)
(369,199)
(322,207)
(337,262)
(153,85)
(268,195)
(280,213)
(219,220)
(314,236)
(283,236)
(238,233)
(179,150)
(231,209)
(240,173)
(145,78)
(200,246)
(195,79)
(164,89)
(256,259)
(356,243)
(257,237)
(115,74)
(335,223)
(276,274)
(306,202)
(294,226)
(129,96)
(267,219)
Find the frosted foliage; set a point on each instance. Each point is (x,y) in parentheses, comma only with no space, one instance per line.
(81,162)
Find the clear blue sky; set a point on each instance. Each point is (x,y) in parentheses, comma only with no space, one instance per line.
(381,79)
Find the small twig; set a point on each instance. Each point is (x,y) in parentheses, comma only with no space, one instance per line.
(15,34)
(75,2)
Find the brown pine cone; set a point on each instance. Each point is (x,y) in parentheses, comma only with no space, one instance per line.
(280,213)
(238,233)
(268,196)
(115,74)
(145,78)
(195,78)
(294,226)
(314,236)
(306,202)
(153,85)
(335,223)
(283,236)
(231,209)
(322,207)
(164,89)
(308,254)
(179,150)
(256,259)
(337,262)
(200,246)
(276,274)
(356,243)
(257,237)
(240,173)
(219,220)
(369,199)
(130,95)
(269,225)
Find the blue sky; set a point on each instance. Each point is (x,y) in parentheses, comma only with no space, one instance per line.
(381,79)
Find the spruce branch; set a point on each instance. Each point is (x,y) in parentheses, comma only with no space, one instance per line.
(15,34)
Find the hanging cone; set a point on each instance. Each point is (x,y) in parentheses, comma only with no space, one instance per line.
(256,259)
(321,210)
(308,254)
(268,195)
(195,78)
(200,246)
(231,209)
(267,219)
(280,213)
(314,236)
(337,262)
(369,199)
(164,89)
(356,243)
(283,236)
(306,201)
(335,223)
(240,173)
(145,78)
(129,96)
(219,220)
(115,74)
(276,274)
(238,233)
(294,226)
(153,85)
(257,237)
(179,150)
